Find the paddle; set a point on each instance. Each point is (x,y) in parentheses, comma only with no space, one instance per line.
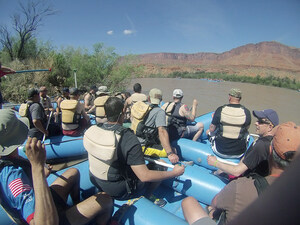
(24,71)
(44,137)
(159,162)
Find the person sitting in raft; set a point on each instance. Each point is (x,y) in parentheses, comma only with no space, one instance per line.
(256,158)
(229,127)
(65,95)
(241,192)
(178,114)
(117,164)
(36,115)
(148,121)
(45,100)
(73,115)
(265,209)
(24,191)
(98,107)
(89,98)
(135,97)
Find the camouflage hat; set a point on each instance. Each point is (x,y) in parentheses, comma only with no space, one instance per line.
(155,96)
(235,92)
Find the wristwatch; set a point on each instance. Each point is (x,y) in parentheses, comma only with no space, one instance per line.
(170,153)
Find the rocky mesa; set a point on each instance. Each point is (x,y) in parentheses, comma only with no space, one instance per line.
(264,59)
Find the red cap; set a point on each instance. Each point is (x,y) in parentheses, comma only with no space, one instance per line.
(286,140)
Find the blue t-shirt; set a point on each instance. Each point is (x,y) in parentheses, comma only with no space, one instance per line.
(17,191)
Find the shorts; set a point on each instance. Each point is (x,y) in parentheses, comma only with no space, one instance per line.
(191,130)
(119,189)
(205,221)
(61,207)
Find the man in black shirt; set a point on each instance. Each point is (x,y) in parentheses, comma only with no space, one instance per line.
(256,158)
(117,164)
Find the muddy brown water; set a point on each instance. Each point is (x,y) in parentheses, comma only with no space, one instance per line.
(211,95)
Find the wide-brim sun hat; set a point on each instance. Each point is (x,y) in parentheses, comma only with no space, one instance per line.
(13,131)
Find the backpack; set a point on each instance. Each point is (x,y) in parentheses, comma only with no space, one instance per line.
(99,103)
(24,109)
(169,108)
(139,112)
(68,112)
(260,184)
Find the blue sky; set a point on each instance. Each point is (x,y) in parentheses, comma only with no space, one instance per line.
(180,26)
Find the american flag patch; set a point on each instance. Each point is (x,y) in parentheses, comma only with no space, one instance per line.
(16,187)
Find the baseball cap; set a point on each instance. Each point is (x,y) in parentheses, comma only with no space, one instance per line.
(66,90)
(102,90)
(286,140)
(155,96)
(13,131)
(270,114)
(235,92)
(74,91)
(32,92)
(93,87)
(178,93)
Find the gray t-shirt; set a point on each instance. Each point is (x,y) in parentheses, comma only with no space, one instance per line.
(37,113)
(156,118)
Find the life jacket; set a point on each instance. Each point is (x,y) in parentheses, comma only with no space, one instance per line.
(232,122)
(136,97)
(102,147)
(175,122)
(99,103)
(27,169)
(24,112)
(69,115)
(172,114)
(139,114)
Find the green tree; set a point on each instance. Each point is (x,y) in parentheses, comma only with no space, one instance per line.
(25,25)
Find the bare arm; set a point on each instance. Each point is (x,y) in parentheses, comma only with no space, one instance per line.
(146,175)
(87,101)
(235,170)
(45,210)
(126,104)
(212,128)
(190,115)
(164,140)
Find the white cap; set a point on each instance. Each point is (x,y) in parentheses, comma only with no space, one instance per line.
(178,93)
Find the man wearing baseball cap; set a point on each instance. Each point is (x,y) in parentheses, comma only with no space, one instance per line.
(155,126)
(229,127)
(24,191)
(240,193)
(256,158)
(178,115)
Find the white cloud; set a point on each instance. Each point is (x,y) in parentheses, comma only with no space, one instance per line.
(128,32)
(110,32)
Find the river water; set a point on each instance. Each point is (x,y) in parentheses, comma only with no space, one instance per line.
(211,95)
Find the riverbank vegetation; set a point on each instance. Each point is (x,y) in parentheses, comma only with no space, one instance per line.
(20,49)
(269,80)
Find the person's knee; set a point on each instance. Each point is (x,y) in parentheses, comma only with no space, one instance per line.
(73,174)
(104,200)
(187,201)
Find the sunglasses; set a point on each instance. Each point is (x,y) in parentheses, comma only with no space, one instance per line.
(261,121)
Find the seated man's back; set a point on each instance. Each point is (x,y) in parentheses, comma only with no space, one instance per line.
(229,127)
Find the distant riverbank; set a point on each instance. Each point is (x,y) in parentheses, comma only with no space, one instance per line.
(268,81)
